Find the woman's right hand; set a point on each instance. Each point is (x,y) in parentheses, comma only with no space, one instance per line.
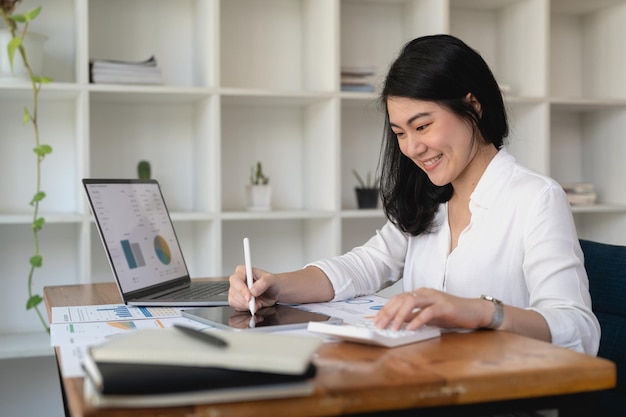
(265,289)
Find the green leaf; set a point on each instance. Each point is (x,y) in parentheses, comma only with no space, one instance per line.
(42,80)
(38,197)
(38,224)
(20,18)
(36,261)
(42,150)
(33,301)
(32,14)
(26,117)
(14,43)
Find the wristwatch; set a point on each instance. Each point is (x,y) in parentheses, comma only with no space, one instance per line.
(498,315)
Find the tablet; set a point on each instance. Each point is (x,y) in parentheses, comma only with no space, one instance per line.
(268,319)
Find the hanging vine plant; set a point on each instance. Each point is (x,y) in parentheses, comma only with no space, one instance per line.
(18,24)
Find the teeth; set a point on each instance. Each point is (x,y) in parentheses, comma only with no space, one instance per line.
(432,161)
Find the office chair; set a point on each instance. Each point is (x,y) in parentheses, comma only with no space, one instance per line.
(606,269)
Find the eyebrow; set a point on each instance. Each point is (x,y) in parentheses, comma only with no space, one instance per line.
(412,118)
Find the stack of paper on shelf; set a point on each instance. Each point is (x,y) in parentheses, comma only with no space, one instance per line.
(125,72)
(357,78)
(579,193)
(166,367)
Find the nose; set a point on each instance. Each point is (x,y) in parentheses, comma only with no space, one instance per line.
(415,146)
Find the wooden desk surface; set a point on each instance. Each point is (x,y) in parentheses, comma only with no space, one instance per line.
(458,368)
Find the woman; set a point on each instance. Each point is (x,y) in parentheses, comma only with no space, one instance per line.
(479,240)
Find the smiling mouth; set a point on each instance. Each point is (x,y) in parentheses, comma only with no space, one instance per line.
(432,160)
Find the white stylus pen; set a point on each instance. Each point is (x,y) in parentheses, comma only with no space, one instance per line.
(249,277)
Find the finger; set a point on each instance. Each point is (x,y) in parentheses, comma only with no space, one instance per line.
(238,293)
(421,318)
(406,311)
(398,310)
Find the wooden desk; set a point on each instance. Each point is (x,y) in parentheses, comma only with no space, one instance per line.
(478,367)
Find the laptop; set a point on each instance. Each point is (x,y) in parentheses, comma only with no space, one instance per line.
(143,251)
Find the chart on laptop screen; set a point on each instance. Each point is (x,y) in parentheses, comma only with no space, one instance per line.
(138,233)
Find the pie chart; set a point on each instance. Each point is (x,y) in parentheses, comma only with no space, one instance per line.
(162,250)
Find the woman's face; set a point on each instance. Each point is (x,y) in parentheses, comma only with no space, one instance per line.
(435,139)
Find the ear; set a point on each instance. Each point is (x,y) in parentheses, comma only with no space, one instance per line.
(474,102)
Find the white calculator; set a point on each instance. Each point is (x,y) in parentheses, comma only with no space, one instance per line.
(369,334)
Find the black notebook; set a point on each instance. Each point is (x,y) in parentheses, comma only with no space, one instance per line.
(158,361)
(141,379)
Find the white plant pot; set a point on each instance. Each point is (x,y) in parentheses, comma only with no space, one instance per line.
(33,43)
(259,197)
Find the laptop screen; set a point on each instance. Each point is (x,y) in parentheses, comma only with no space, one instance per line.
(137,232)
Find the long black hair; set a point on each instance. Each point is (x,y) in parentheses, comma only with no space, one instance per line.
(441,69)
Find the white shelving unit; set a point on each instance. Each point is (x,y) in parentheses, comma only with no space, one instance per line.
(249,80)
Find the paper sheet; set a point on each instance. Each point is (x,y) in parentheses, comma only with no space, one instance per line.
(75,328)
(352,311)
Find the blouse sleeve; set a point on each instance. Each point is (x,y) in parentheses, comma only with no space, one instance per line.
(555,273)
(367,268)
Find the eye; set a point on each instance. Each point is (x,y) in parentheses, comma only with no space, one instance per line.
(399,134)
(422,127)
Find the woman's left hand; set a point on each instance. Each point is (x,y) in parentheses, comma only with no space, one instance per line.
(429,306)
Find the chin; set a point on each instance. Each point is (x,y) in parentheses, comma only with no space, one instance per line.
(438,182)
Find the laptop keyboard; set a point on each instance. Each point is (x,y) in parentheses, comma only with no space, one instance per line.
(198,291)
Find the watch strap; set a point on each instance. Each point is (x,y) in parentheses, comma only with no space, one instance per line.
(498,314)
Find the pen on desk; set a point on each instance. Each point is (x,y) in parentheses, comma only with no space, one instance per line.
(249,277)
(210,338)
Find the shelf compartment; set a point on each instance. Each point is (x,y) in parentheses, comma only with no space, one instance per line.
(176,33)
(57,127)
(362,128)
(60,247)
(287,45)
(515,50)
(373,32)
(175,138)
(297,145)
(587,146)
(586,49)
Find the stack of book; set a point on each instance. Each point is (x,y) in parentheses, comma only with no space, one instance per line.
(580,193)
(125,72)
(357,78)
(169,367)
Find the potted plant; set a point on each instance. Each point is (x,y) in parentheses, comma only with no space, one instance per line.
(366,191)
(14,39)
(17,25)
(259,191)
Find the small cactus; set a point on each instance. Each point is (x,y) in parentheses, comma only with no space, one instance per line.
(257,177)
(143,170)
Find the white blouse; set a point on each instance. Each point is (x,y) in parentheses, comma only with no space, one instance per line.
(520,246)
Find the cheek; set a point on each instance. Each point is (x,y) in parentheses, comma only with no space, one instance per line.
(409,150)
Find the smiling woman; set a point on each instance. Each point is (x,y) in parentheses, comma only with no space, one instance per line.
(478,240)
